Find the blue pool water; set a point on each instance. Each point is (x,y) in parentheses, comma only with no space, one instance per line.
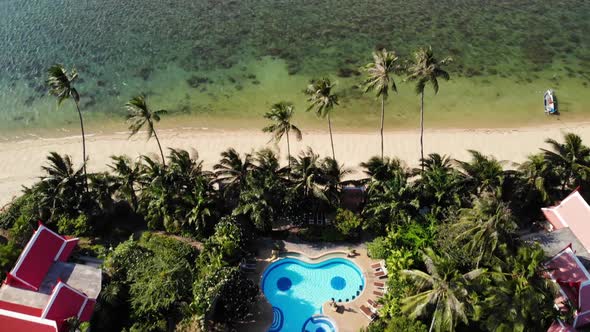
(297,290)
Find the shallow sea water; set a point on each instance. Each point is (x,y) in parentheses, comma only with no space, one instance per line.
(213,60)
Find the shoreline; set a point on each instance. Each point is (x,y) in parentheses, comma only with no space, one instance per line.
(184,124)
(23,158)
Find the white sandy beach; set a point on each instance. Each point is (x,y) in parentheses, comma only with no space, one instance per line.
(21,161)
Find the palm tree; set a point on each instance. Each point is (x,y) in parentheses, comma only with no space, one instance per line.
(485,225)
(140,115)
(264,196)
(379,80)
(441,185)
(426,69)
(521,298)
(61,86)
(382,169)
(484,173)
(322,101)
(333,176)
(390,202)
(571,158)
(232,170)
(128,174)
(308,175)
(281,113)
(538,176)
(63,186)
(443,287)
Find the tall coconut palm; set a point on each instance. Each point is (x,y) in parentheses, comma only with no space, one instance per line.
(539,177)
(140,115)
(128,174)
(61,85)
(322,100)
(520,298)
(380,81)
(281,114)
(232,171)
(308,175)
(571,159)
(442,287)
(390,202)
(333,173)
(382,169)
(484,173)
(441,185)
(487,224)
(426,69)
(62,187)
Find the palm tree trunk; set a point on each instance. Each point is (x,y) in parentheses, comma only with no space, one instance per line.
(422,129)
(83,145)
(382,121)
(288,154)
(566,179)
(160,147)
(331,139)
(133,199)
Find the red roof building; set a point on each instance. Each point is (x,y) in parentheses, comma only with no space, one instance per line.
(570,219)
(573,213)
(43,289)
(573,280)
(559,326)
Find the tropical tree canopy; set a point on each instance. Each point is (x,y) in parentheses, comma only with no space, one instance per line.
(321,99)
(427,69)
(379,73)
(441,290)
(281,114)
(61,83)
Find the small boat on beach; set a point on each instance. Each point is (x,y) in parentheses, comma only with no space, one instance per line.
(550,102)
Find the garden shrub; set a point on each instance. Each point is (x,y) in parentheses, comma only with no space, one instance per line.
(378,248)
(74,227)
(9,253)
(226,293)
(22,207)
(348,223)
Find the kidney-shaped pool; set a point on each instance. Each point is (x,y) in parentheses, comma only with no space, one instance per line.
(297,290)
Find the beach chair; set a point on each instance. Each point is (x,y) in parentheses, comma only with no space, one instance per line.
(374,305)
(378,293)
(379,284)
(368,313)
(378,266)
(381,273)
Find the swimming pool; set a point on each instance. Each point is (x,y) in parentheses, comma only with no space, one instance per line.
(297,290)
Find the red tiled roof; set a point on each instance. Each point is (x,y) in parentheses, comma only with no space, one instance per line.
(559,326)
(572,212)
(28,300)
(569,273)
(42,250)
(17,322)
(574,283)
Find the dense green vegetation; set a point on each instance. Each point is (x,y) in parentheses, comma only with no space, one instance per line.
(448,234)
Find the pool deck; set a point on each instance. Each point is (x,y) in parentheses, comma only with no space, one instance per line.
(349,318)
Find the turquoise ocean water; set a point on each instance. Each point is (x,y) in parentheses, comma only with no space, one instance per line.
(221,63)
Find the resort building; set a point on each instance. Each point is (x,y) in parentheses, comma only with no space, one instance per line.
(43,289)
(568,242)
